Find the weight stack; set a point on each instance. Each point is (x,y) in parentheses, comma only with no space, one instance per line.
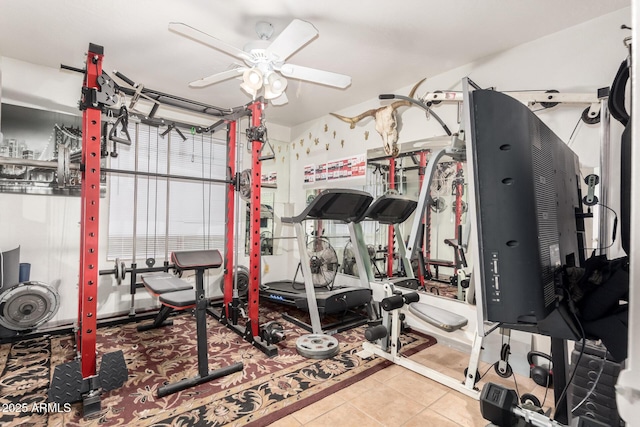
(601,404)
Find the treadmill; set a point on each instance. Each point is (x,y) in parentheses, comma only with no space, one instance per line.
(393,210)
(344,205)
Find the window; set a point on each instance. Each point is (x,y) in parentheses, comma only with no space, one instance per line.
(171,214)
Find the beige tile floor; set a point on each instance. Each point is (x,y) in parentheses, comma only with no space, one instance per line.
(396,396)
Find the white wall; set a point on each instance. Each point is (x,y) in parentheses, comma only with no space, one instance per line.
(579,59)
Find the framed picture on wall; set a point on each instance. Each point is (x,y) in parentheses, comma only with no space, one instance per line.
(30,134)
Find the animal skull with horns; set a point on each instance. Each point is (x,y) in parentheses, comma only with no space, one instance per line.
(386,121)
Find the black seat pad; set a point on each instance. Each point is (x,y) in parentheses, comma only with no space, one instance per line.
(192,260)
(164,282)
(179,299)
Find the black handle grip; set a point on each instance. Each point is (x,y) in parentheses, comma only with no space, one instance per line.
(391,303)
(375,333)
(184,138)
(386,96)
(411,297)
(120,140)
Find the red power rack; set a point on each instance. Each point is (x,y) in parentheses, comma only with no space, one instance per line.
(78,380)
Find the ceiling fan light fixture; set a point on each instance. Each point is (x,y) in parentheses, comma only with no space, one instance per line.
(252,78)
(274,86)
(263,56)
(251,81)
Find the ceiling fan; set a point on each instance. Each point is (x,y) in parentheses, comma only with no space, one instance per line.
(265,62)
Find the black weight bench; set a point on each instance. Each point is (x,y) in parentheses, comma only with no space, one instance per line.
(173,293)
(176,294)
(436,263)
(160,283)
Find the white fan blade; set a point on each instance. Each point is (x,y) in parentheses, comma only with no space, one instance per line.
(297,34)
(225,75)
(207,40)
(314,75)
(281,100)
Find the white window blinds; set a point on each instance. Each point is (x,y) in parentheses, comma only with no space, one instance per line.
(172,214)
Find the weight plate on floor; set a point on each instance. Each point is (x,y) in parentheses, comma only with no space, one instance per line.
(28,305)
(317,346)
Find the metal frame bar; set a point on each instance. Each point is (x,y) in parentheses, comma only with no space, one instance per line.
(391,235)
(255,266)
(361,254)
(89,220)
(229,267)
(425,235)
(53,165)
(305,263)
(525,96)
(423,203)
(605,176)
(459,189)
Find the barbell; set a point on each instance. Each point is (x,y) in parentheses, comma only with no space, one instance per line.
(120,270)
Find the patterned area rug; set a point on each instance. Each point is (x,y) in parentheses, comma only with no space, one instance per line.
(266,390)
(441,289)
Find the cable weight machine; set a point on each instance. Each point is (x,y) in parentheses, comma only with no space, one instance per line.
(261,336)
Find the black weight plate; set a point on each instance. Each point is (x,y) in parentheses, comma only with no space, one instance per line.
(28,305)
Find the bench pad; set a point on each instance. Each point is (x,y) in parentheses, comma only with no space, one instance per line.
(438,317)
(161,283)
(439,262)
(192,260)
(180,299)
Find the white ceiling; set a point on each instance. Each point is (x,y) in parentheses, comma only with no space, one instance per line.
(383,45)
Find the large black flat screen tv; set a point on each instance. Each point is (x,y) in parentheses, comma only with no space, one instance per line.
(527,194)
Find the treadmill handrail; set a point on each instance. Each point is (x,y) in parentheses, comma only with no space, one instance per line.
(384,209)
(337,204)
